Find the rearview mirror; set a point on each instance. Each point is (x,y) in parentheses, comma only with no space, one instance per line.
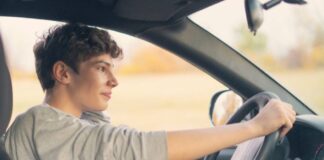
(254,14)
(223,105)
(254,11)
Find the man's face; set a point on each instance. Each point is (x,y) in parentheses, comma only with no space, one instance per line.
(92,87)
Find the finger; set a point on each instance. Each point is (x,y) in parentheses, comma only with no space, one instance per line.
(292,117)
(286,127)
(283,132)
(291,110)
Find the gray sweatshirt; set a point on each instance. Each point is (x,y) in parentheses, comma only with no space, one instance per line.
(46,133)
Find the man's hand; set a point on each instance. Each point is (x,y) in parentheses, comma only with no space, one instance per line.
(193,144)
(276,114)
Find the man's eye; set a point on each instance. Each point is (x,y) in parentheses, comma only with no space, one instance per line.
(102,69)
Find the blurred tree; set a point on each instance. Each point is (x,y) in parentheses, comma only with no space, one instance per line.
(319,36)
(295,59)
(309,52)
(249,43)
(153,59)
(317,52)
(255,48)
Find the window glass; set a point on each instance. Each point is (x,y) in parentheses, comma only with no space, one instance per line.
(156,90)
(289,44)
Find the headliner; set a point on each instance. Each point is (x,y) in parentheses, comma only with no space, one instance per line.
(129,16)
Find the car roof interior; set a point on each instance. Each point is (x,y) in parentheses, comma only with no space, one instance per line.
(127,16)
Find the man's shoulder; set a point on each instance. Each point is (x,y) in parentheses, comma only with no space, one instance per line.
(26,118)
(35,119)
(22,126)
(34,111)
(39,114)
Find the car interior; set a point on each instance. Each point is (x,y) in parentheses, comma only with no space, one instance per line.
(166,24)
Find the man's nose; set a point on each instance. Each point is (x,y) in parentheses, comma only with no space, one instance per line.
(112,81)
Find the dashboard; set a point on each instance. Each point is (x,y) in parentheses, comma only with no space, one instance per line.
(306,139)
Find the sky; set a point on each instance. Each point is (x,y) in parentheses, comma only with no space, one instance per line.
(20,34)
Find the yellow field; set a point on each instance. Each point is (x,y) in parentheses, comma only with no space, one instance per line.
(170,101)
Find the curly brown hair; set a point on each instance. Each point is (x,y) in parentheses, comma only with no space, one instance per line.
(71,43)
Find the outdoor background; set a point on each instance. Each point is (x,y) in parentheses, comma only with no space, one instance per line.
(158,90)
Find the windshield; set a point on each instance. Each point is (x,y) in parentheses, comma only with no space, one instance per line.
(289,45)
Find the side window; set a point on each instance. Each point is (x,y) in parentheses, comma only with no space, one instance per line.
(157,90)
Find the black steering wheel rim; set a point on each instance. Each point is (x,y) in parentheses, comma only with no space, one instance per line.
(259,100)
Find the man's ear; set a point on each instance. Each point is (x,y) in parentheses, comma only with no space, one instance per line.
(61,72)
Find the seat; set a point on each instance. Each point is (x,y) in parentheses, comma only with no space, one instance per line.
(5,99)
(3,154)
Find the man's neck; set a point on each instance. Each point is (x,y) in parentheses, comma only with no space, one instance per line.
(60,100)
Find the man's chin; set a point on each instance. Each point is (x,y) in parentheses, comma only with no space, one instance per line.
(98,108)
(101,108)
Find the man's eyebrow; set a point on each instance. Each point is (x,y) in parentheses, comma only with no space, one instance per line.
(104,62)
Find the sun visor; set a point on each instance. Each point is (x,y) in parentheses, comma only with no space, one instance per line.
(149,10)
(107,2)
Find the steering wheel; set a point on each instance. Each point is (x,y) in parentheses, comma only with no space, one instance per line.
(268,145)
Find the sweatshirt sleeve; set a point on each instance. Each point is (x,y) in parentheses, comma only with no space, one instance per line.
(124,143)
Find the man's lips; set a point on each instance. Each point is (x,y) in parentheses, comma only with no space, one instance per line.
(106,94)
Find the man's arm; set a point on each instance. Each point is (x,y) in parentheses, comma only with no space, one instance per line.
(193,144)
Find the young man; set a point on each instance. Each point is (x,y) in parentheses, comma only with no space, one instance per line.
(74,66)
